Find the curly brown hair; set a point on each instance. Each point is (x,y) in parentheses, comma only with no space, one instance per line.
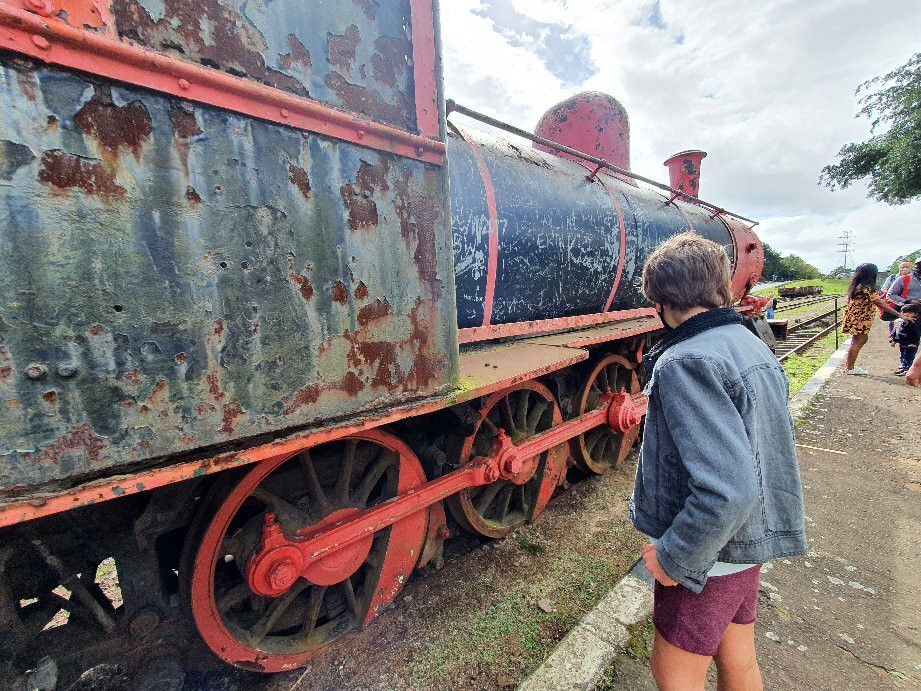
(687,271)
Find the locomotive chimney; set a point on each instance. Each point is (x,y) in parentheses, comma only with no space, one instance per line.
(684,171)
(591,122)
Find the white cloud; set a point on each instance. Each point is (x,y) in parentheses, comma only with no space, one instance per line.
(766,88)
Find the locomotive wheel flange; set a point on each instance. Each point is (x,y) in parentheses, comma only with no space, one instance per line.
(602,448)
(304,610)
(519,412)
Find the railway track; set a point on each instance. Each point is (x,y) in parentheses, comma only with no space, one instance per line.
(804,334)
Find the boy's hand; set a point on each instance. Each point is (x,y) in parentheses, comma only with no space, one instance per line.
(653,566)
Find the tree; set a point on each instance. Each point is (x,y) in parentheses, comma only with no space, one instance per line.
(892,159)
(910,257)
(789,268)
(773,264)
(798,268)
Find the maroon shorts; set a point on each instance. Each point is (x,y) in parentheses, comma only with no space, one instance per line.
(696,623)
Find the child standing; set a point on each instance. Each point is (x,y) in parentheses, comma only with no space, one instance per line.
(717,485)
(860,313)
(907,336)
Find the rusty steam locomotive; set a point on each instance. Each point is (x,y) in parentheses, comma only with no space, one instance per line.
(267,313)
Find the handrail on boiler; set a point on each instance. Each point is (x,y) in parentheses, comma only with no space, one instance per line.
(452,106)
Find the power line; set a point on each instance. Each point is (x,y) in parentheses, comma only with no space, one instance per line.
(845,245)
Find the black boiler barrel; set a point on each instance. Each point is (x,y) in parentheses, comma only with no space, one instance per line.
(534,238)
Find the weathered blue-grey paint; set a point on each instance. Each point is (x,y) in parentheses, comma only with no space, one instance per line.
(175,277)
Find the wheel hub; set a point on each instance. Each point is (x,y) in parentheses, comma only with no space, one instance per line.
(280,563)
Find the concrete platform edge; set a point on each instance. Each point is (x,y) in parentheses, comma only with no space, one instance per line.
(580,659)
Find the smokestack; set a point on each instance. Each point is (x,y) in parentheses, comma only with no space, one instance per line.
(684,171)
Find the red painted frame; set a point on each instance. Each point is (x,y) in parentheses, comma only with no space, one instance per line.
(542,326)
(425,76)
(55,42)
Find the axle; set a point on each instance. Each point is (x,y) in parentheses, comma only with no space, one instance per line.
(331,550)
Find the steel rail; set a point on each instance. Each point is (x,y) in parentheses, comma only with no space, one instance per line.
(452,106)
(811,320)
(806,344)
(797,305)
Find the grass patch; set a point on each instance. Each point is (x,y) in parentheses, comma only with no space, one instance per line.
(800,367)
(830,286)
(531,547)
(638,647)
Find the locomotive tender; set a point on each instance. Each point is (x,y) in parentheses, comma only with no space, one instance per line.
(266,312)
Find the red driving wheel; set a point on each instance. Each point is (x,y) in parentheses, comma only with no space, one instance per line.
(496,509)
(601,449)
(345,591)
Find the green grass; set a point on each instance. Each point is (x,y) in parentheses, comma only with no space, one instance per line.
(830,286)
(800,368)
(638,647)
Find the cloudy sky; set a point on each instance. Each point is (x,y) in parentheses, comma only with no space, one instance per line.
(766,88)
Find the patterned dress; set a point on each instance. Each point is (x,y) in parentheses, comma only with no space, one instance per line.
(860,312)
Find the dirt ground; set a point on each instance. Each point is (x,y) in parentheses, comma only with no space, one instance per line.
(848,615)
(492,613)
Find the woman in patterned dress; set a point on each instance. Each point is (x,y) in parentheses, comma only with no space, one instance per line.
(860,312)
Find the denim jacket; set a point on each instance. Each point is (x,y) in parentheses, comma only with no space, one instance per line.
(717,478)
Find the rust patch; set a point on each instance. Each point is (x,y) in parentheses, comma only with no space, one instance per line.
(50,397)
(203,409)
(114,126)
(229,414)
(192,196)
(185,124)
(66,171)
(358,196)
(127,403)
(342,48)
(134,376)
(418,218)
(370,103)
(305,396)
(300,179)
(303,284)
(214,386)
(5,372)
(181,357)
(361,291)
(376,310)
(231,43)
(339,293)
(351,383)
(390,60)
(158,389)
(218,327)
(298,55)
(78,438)
(96,330)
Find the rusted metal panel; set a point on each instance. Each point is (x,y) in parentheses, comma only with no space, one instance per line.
(353,54)
(175,277)
(41,31)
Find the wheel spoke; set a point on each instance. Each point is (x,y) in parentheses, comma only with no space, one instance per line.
(602,380)
(591,440)
(486,498)
(313,610)
(612,374)
(373,476)
(349,591)
(285,510)
(535,414)
(274,611)
(521,411)
(317,495)
(505,498)
(233,597)
(345,472)
(491,425)
(505,415)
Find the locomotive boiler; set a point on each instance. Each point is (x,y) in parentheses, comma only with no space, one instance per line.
(267,313)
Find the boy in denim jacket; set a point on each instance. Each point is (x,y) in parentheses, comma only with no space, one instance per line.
(717,485)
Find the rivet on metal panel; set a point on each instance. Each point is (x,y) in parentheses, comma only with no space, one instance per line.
(41,7)
(184,84)
(360,134)
(285,113)
(66,371)
(41,42)
(36,372)
(420,151)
